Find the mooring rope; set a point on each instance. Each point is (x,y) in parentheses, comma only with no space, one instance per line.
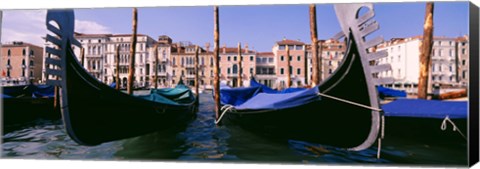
(455,128)
(350,102)
(224,110)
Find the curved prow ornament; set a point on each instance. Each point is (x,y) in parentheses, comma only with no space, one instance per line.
(358,26)
(61,23)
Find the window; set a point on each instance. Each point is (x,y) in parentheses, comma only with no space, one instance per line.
(8,62)
(9,53)
(451,68)
(23,72)
(173,72)
(235,58)
(281,58)
(290,70)
(235,69)
(281,47)
(290,58)
(330,63)
(299,47)
(251,70)
(251,58)
(270,60)
(31,73)
(211,73)
(298,71)
(329,71)
(183,61)
(31,63)
(23,52)
(8,73)
(228,58)
(281,71)
(439,52)
(203,61)
(23,62)
(299,58)
(463,62)
(398,58)
(463,51)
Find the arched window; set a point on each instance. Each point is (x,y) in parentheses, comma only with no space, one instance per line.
(235,69)
(9,53)
(23,62)
(24,52)
(31,52)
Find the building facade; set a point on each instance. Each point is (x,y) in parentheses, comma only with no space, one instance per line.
(447,57)
(21,63)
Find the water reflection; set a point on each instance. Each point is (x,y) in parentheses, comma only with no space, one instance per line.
(203,141)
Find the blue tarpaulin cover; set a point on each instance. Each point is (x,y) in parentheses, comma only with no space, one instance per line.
(35,91)
(426,108)
(259,96)
(387,92)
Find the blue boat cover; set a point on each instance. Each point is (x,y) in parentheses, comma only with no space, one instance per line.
(113,85)
(387,92)
(259,97)
(426,108)
(43,91)
(35,91)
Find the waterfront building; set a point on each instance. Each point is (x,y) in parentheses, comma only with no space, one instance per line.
(21,63)
(229,67)
(266,68)
(297,59)
(403,56)
(463,61)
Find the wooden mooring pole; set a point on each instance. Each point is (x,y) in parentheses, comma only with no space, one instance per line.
(197,85)
(425,52)
(117,57)
(82,54)
(316,60)
(155,54)
(216,52)
(131,71)
(289,74)
(240,81)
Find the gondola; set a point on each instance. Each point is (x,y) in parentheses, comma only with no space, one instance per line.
(93,112)
(342,111)
(25,103)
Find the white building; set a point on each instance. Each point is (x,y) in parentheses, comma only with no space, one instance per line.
(403,56)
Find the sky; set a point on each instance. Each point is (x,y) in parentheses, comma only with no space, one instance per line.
(259,26)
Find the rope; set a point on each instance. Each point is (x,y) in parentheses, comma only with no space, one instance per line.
(224,111)
(455,128)
(349,102)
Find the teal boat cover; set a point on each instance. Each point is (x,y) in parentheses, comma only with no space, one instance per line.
(181,94)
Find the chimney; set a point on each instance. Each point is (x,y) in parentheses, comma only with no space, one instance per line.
(246,47)
(178,48)
(224,48)
(207,46)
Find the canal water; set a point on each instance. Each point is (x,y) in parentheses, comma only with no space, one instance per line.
(203,141)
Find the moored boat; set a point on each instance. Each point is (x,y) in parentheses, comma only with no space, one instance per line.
(93,112)
(342,111)
(25,103)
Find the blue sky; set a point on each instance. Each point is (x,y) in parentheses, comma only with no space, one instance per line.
(258,25)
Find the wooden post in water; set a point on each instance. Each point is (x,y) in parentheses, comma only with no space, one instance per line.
(117,57)
(155,54)
(289,74)
(131,69)
(82,54)
(425,52)
(240,81)
(197,94)
(316,60)
(216,53)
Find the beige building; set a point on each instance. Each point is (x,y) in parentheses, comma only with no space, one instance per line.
(265,68)
(21,63)
(229,67)
(297,50)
